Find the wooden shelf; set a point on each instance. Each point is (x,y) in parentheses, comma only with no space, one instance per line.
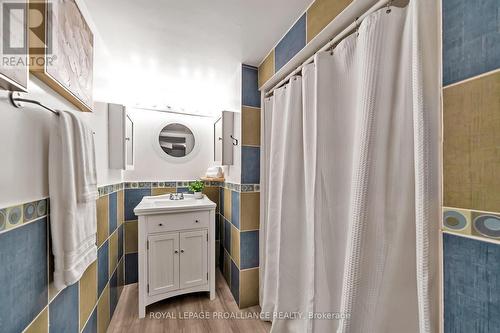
(212,179)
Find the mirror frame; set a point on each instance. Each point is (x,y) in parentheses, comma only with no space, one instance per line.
(172,159)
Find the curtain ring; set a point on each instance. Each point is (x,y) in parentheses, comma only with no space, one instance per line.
(357,25)
(388,6)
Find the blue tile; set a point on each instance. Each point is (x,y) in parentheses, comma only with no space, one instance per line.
(91,326)
(183,190)
(112,212)
(471,285)
(471,38)
(120,242)
(23,275)
(113,292)
(291,44)
(221,256)
(227,236)
(235,209)
(250,165)
(63,311)
(131,270)
(102,267)
(235,282)
(249,249)
(250,94)
(132,198)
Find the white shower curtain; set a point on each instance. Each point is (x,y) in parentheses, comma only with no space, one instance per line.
(350,182)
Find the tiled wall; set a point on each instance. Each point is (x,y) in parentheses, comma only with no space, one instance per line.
(27,300)
(317,17)
(238,234)
(471,165)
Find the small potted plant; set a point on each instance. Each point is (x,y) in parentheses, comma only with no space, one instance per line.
(196,187)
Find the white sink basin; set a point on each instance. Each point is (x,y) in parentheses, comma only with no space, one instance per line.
(162,203)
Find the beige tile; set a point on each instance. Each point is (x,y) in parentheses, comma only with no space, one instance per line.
(88,293)
(120,207)
(40,324)
(161,191)
(266,69)
(235,245)
(103,311)
(249,287)
(131,239)
(321,13)
(250,126)
(113,252)
(227,204)
(102,220)
(249,211)
(213,194)
(471,130)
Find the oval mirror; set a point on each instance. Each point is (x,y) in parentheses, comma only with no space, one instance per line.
(176,140)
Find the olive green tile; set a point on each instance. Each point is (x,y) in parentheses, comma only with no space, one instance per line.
(321,13)
(266,69)
(250,211)
(213,194)
(249,287)
(88,293)
(102,219)
(471,141)
(227,204)
(235,245)
(103,317)
(161,191)
(250,126)
(131,239)
(113,252)
(40,324)
(120,207)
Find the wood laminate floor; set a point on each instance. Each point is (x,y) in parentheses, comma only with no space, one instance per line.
(170,315)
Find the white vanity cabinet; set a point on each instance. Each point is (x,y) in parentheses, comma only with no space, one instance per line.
(176,248)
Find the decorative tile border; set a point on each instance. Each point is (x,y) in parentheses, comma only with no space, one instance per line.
(107,189)
(241,187)
(15,216)
(471,223)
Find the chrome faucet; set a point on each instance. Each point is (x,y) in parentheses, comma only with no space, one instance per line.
(176,196)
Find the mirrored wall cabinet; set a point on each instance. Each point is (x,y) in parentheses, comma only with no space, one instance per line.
(224,139)
(121,138)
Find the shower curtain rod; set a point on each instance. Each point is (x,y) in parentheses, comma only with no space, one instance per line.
(334,41)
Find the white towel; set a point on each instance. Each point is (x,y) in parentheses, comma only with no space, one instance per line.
(86,173)
(73,224)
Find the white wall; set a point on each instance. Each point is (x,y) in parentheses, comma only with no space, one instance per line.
(24,140)
(152,164)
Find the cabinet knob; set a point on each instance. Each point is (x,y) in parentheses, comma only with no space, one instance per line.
(197,221)
(182,251)
(176,251)
(160,224)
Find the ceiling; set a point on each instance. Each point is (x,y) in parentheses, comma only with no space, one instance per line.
(186,53)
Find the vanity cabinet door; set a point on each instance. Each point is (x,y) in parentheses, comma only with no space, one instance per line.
(163,263)
(194,257)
